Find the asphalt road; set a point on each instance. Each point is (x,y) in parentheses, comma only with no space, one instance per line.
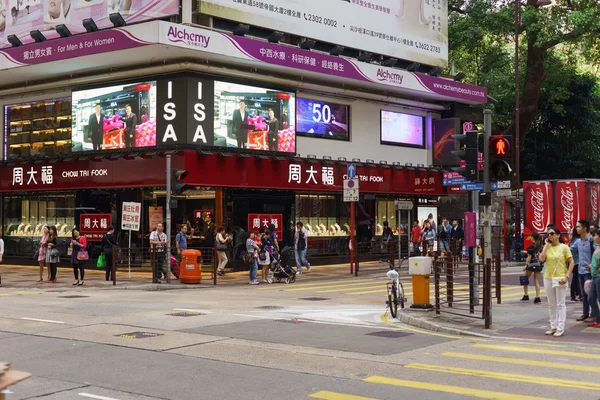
(239,342)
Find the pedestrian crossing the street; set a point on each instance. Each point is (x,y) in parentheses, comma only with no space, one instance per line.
(492,369)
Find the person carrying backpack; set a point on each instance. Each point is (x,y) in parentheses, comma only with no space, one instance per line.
(386,238)
(534,267)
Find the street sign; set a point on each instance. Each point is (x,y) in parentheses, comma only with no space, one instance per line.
(469,185)
(504,192)
(453,182)
(351,190)
(131,216)
(504,184)
(404,205)
(351,173)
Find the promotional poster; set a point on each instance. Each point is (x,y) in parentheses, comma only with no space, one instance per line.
(324,119)
(114,117)
(402,129)
(443,143)
(415,30)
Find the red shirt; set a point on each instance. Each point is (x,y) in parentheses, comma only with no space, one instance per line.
(415,234)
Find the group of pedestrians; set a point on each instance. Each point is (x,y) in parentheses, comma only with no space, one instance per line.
(557,262)
(423,237)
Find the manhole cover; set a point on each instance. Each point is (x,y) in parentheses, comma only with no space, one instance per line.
(138,335)
(185,314)
(389,334)
(72,297)
(315,298)
(269,308)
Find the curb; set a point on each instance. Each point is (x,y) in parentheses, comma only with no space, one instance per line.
(155,287)
(424,324)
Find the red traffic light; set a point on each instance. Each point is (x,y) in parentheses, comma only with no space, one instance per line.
(500,146)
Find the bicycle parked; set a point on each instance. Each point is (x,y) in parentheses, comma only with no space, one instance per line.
(395,290)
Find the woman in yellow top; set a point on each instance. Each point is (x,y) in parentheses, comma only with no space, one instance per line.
(559,265)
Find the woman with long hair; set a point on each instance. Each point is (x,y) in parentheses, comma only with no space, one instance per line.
(79,243)
(52,257)
(42,253)
(222,240)
(428,238)
(534,267)
(559,268)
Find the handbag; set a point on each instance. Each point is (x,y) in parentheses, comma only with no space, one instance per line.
(101,263)
(248,258)
(262,256)
(535,266)
(221,246)
(83,255)
(524,280)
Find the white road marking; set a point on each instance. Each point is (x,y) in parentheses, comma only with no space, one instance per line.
(94,396)
(191,310)
(43,320)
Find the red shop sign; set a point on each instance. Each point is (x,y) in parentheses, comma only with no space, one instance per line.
(94,226)
(200,214)
(255,221)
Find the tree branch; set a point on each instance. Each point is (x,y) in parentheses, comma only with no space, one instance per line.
(567,37)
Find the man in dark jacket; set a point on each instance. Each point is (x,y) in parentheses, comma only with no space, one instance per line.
(457,235)
(96,128)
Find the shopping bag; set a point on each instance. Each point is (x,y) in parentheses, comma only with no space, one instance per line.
(101,261)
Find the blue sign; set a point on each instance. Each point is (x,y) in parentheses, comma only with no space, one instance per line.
(351,171)
(469,185)
(453,181)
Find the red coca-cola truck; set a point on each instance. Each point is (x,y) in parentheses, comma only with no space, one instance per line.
(559,202)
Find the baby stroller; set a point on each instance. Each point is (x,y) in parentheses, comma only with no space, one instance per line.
(281,270)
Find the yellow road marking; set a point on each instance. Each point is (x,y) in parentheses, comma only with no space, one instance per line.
(506,360)
(338,286)
(538,351)
(431,291)
(339,282)
(483,394)
(588,348)
(26,292)
(540,380)
(536,344)
(4,295)
(381,286)
(326,395)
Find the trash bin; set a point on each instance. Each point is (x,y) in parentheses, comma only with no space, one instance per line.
(190,269)
(420,270)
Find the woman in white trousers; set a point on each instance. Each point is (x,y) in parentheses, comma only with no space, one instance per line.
(558,270)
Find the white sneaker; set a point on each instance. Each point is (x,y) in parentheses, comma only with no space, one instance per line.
(307,269)
(299,272)
(255,283)
(550,332)
(559,333)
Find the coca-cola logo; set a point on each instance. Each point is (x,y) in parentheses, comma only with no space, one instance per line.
(594,203)
(539,210)
(567,201)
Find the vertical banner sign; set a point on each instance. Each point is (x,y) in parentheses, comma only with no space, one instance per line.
(94,226)
(155,217)
(130,216)
(255,221)
(201,214)
(470,229)
(569,204)
(592,191)
(443,144)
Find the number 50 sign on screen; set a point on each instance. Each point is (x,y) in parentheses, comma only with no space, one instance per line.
(322,119)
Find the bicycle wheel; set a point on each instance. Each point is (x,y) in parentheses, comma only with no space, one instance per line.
(401,295)
(393,300)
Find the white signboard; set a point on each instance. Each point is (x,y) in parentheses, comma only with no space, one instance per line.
(503,184)
(131,216)
(351,192)
(404,205)
(415,30)
(503,192)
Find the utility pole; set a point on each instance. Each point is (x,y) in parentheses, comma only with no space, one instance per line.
(168,227)
(487,227)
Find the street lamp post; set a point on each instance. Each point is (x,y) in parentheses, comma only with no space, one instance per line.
(517,153)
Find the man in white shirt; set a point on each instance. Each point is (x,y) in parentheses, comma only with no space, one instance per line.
(158,239)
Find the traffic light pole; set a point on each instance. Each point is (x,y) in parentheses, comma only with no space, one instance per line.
(487,227)
(168,227)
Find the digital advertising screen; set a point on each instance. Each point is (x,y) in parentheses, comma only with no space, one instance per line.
(402,129)
(324,119)
(254,118)
(114,117)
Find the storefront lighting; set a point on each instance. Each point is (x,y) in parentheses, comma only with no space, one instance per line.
(117,20)
(337,50)
(413,67)
(308,44)
(389,62)
(89,25)
(14,41)
(245,155)
(365,56)
(326,157)
(369,161)
(37,36)
(383,162)
(459,77)
(435,71)
(396,164)
(342,159)
(63,31)
(356,160)
(263,157)
(275,37)
(241,30)
(224,154)
(205,152)
(311,156)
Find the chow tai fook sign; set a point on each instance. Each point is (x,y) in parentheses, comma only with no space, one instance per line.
(201,214)
(256,221)
(94,226)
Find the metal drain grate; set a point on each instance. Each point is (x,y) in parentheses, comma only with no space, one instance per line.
(315,298)
(185,314)
(72,297)
(269,308)
(138,335)
(389,334)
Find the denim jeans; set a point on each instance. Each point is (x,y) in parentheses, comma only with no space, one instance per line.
(593,297)
(301,259)
(586,303)
(253,269)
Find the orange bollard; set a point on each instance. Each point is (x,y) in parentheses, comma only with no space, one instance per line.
(191,271)
(421,290)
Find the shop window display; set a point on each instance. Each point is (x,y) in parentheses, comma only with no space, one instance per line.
(27,215)
(38,129)
(323,215)
(386,211)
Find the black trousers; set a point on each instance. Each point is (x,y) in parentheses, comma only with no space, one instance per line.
(53,270)
(109,265)
(78,270)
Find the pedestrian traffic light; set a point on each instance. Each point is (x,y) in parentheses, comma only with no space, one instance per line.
(500,158)
(177,184)
(467,152)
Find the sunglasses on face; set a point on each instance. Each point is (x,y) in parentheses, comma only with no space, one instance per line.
(551,233)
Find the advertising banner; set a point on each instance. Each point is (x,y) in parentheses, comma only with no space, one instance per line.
(155,217)
(256,221)
(569,204)
(592,197)
(130,216)
(322,119)
(443,143)
(19,17)
(539,209)
(94,226)
(410,30)
(202,214)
